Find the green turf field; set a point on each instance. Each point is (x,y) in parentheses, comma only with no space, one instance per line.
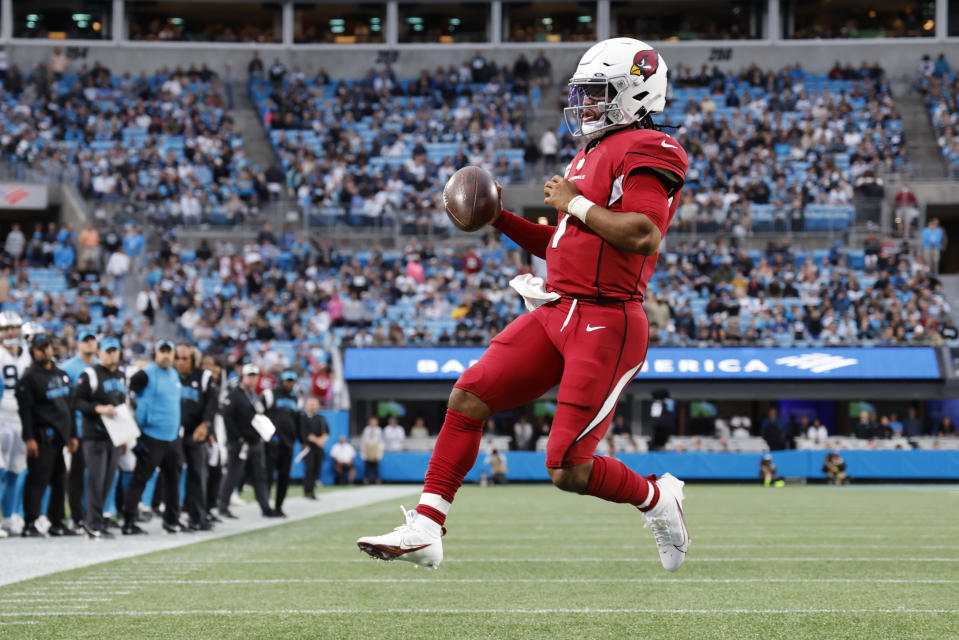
(531,562)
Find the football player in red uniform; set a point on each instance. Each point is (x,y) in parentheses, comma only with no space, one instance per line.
(586,330)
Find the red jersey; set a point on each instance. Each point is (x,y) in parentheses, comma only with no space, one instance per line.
(321,385)
(264,382)
(579,262)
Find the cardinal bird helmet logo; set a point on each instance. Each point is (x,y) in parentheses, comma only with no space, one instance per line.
(645,63)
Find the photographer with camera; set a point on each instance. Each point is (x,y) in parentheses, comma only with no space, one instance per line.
(768,473)
(835,469)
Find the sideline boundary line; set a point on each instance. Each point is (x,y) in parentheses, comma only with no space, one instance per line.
(345,611)
(25,559)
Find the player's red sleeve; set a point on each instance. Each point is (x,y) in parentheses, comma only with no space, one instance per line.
(529,235)
(654,150)
(644,192)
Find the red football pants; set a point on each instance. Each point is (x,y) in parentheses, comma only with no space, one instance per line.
(592,351)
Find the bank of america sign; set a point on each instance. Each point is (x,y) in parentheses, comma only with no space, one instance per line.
(817,362)
(874,363)
(813,362)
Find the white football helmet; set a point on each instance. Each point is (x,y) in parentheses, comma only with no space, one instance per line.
(618,82)
(10,319)
(30,330)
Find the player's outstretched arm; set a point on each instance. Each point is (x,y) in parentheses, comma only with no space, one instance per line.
(630,231)
(529,235)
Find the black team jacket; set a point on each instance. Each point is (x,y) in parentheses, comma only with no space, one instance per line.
(98,385)
(46,405)
(199,401)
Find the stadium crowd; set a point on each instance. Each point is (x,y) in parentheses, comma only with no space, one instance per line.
(163,141)
(66,280)
(779,150)
(883,294)
(164,144)
(382,147)
(702,294)
(770,150)
(938,86)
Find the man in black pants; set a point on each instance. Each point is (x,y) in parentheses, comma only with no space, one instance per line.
(314,432)
(244,442)
(214,479)
(214,455)
(85,357)
(49,424)
(101,388)
(283,409)
(198,404)
(157,390)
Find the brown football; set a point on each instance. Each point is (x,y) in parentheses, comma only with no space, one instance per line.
(470,198)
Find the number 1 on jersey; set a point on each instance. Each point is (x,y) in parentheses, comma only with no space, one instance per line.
(560,230)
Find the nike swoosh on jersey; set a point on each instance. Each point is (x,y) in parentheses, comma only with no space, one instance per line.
(590,329)
(669,146)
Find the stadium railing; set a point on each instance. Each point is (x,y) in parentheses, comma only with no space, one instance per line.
(854,444)
(705,444)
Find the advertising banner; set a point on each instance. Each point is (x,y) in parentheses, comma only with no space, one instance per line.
(667,363)
(17,195)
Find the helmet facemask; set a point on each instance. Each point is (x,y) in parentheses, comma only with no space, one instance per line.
(10,324)
(10,336)
(600,95)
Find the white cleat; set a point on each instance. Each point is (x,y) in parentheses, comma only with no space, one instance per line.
(668,523)
(12,526)
(419,541)
(42,523)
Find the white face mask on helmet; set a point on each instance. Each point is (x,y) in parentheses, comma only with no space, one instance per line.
(618,82)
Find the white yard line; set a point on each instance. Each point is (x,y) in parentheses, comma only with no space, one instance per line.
(23,559)
(208,581)
(67,588)
(692,558)
(59,590)
(47,598)
(346,611)
(785,530)
(754,547)
(48,607)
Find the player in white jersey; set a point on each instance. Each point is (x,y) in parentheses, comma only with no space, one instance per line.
(14,360)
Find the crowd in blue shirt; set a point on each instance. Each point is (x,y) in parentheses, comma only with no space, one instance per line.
(163,140)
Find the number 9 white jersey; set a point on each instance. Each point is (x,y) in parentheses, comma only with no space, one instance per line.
(12,368)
